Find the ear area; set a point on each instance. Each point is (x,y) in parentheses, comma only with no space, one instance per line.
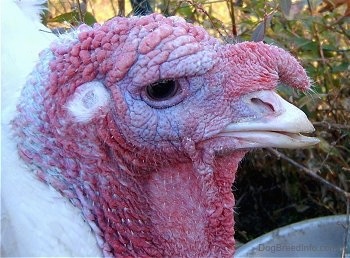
(88,101)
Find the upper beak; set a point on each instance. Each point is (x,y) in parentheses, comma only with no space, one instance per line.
(281,128)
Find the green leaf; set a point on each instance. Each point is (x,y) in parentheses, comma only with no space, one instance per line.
(328,148)
(285,7)
(329,48)
(260,30)
(73,17)
(89,19)
(66,17)
(185,11)
(341,68)
(306,44)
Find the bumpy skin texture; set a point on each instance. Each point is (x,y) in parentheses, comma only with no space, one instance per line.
(150,176)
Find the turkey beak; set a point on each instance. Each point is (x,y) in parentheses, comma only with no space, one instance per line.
(279,124)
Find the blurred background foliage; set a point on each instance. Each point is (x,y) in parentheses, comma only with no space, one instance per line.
(273,188)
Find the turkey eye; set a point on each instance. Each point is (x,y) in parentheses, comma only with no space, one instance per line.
(162,90)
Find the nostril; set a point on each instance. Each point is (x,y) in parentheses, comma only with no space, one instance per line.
(262,105)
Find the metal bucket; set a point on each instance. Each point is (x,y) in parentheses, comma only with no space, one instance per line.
(320,237)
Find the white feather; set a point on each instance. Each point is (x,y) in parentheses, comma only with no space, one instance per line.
(35,219)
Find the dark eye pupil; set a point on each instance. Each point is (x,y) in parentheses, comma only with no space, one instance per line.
(162,90)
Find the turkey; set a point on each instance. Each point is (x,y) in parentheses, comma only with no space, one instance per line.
(127,136)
